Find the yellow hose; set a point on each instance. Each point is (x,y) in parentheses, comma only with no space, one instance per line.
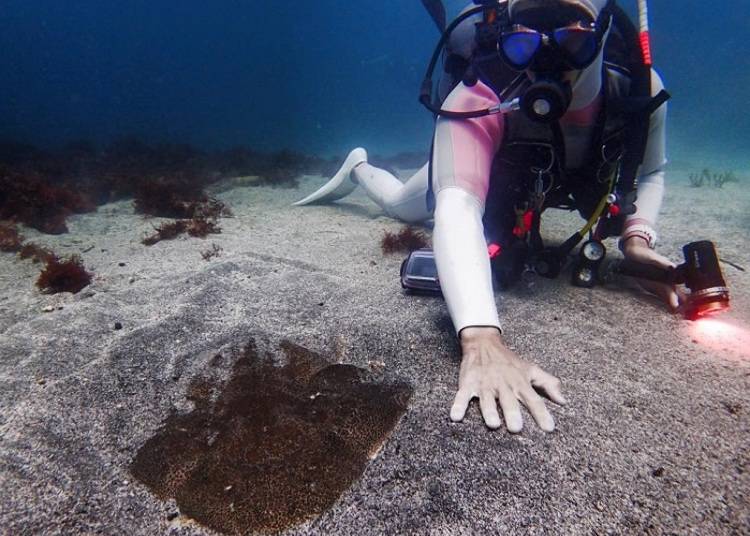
(597,212)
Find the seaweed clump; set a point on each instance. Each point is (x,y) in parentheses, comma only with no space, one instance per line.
(37,201)
(63,275)
(707,177)
(11,241)
(42,188)
(198,227)
(176,197)
(58,275)
(406,240)
(214,251)
(168,198)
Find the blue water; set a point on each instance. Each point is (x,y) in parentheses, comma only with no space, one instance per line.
(319,76)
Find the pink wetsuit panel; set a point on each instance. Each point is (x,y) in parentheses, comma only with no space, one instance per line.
(465,148)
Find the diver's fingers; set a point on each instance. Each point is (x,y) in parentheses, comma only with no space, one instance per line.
(650,256)
(673,300)
(549,383)
(489,409)
(511,410)
(538,410)
(460,403)
(667,293)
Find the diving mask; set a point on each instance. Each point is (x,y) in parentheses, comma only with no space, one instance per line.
(548,55)
(572,47)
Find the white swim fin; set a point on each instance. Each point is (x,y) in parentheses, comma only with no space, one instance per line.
(341,184)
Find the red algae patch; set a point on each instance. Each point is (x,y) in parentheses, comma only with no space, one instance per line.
(406,240)
(275,445)
(66,275)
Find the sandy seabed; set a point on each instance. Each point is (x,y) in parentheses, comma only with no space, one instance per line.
(654,438)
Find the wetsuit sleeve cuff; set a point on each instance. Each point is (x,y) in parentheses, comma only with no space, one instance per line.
(497,326)
(642,230)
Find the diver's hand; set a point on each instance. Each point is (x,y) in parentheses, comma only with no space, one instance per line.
(636,249)
(491,371)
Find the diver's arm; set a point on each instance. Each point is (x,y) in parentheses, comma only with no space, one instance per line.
(463,152)
(639,235)
(462,260)
(651,180)
(462,159)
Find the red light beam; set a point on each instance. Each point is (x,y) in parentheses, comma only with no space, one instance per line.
(722,335)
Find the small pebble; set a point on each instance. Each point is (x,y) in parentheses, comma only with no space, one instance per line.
(41,381)
(48,308)
(120,264)
(118,325)
(376,365)
(173,515)
(659,471)
(131,280)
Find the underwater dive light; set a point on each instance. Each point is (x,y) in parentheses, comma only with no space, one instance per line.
(701,273)
(708,290)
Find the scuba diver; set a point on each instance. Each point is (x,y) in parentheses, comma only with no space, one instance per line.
(542,104)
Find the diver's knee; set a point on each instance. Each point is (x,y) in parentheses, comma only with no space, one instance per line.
(410,212)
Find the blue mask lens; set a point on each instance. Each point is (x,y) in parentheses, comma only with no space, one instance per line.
(578,44)
(519,47)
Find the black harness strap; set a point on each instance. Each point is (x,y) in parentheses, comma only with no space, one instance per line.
(436,9)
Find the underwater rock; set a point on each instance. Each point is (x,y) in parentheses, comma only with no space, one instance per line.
(276,446)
